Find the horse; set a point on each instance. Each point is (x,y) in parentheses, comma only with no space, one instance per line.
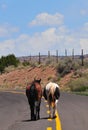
(51,93)
(34,95)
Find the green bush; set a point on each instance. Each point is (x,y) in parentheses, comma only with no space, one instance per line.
(2,67)
(66,65)
(26,63)
(78,73)
(12,60)
(78,85)
(8,61)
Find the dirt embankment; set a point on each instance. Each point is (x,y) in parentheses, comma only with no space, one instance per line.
(20,78)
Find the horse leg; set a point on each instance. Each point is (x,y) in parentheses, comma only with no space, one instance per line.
(31,109)
(37,113)
(54,109)
(37,110)
(32,113)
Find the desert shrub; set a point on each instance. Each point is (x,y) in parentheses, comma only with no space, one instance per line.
(48,62)
(49,78)
(75,65)
(34,64)
(85,63)
(26,63)
(78,73)
(64,67)
(80,84)
(9,68)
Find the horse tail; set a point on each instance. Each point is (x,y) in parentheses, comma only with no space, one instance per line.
(27,91)
(57,93)
(44,93)
(33,92)
(50,97)
(51,94)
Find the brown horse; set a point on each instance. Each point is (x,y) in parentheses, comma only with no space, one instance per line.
(34,95)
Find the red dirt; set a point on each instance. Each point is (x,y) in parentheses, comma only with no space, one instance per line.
(65,80)
(20,78)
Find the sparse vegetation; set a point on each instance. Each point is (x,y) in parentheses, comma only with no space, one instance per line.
(77,81)
(26,63)
(80,84)
(65,66)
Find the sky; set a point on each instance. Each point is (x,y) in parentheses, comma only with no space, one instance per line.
(28,27)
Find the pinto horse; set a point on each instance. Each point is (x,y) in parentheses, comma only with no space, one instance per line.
(34,94)
(51,93)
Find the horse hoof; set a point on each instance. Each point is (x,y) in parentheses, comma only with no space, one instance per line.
(33,118)
(50,116)
(38,117)
(54,116)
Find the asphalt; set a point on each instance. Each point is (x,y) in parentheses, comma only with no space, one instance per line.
(73,111)
(15,113)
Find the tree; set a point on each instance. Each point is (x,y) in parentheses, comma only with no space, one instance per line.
(7,61)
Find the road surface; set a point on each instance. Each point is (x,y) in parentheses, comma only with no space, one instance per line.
(15,113)
(73,111)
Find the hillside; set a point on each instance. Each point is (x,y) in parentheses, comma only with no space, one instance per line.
(20,78)
(68,73)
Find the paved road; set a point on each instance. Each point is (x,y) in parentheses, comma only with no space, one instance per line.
(73,111)
(15,113)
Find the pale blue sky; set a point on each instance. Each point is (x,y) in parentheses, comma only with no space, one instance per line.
(33,26)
